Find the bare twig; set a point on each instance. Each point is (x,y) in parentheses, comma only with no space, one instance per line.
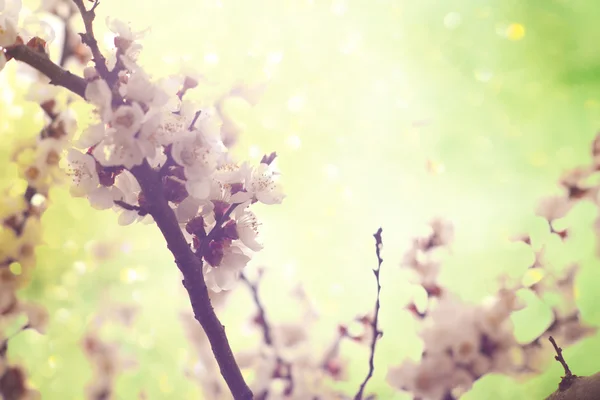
(283,368)
(57,75)
(88,37)
(193,279)
(569,378)
(266,328)
(376,332)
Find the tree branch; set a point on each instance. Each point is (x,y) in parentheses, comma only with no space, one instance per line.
(569,378)
(262,318)
(42,63)
(88,37)
(283,369)
(376,332)
(157,206)
(193,279)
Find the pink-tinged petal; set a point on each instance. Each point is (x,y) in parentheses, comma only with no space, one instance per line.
(241,197)
(127,217)
(199,189)
(91,136)
(101,198)
(2,60)
(187,209)
(99,94)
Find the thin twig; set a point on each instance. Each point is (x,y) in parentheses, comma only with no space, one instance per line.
(569,378)
(266,327)
(88,37)
(283,368)
(376,332)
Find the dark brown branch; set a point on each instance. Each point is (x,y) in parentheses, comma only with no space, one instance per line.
(376,332)
(193,279)
(57,75)
(569,378)
(88,37)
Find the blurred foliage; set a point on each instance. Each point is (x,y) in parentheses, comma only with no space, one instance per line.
(383,113)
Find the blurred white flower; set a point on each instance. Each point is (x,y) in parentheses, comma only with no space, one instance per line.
(9,17)
(98,93)
(86,180)
(2,60)
(554,207)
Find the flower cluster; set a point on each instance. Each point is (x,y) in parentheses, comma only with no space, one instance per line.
(144,121)
(20,234)
(286,364)
(463,341)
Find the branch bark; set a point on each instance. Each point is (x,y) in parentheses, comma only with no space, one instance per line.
(42,63)
(88,37)
(193,279)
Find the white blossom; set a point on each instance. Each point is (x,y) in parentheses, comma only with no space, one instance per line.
(247,229)
(262,183)
(225,275)
(99,94)
(85,177)
(127,119)
(129,190)
(554,207)
(9,16)
(2,60)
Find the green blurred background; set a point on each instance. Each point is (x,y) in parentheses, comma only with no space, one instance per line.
(383,113)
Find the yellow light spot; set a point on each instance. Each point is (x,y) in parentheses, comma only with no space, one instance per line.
(294,142)
(347,193)
(52,362)
(129,275)
(16,268)
(435,168)
(331,171)
(515,32)
(80,267)
(339,8)
(592,104)
(483,12)
(164,384)
(211,58)
(295,103)
(38,200)
(538,159)
(275,57)
(533,276)
(452,20)
(254,152)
